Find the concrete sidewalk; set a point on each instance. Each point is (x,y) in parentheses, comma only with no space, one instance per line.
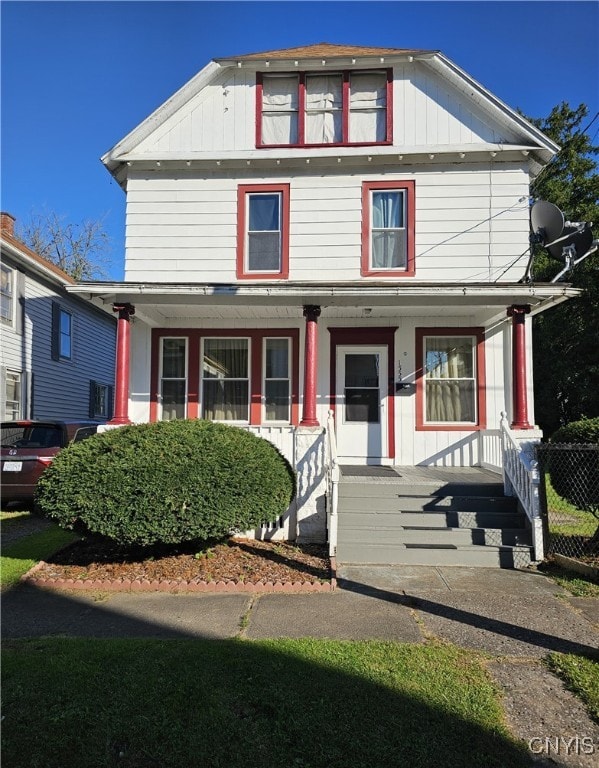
(516,617)
(502,612)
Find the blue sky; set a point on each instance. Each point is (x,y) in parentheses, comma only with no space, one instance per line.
(78,76)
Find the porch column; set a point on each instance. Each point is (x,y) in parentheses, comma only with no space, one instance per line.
(121,398)
(520,409)
(311,313)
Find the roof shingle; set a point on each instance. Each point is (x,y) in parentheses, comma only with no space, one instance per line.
(326,50)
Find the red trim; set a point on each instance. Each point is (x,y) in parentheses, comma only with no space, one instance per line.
(374,337)
(309,418)
(519,394)
(409,187)
(123,345)
(242,191)
(481,392)
(302,113)
(194,338)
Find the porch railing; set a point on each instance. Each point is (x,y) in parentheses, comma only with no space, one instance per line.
(332,479)
(521,478)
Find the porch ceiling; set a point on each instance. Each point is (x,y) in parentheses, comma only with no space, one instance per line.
(161,303)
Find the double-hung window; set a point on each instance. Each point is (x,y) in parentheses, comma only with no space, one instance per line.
(173,378)
(388,228)
(7,290)
(225,379)
(263,231)
(450,388)
(62,332)
(324,108)
(277,380)
(13,396)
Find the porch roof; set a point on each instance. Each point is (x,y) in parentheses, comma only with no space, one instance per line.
(156,302)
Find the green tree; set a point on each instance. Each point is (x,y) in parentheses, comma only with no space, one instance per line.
(81,250)
(566,339)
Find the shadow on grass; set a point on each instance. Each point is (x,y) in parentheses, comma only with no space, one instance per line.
(156,703)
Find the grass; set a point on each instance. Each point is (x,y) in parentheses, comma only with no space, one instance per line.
(18,557)
(575,583)
(581,676)
(564,518)
(97,703)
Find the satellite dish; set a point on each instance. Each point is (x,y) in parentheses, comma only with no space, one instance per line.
(567,241)
(546,221)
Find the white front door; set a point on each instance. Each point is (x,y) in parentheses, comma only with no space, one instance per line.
(361,399)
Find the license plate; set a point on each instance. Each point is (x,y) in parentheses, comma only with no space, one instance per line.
(12,466)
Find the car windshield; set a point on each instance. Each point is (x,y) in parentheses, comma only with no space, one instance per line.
(31,436)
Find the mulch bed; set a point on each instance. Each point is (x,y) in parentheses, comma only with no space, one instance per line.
(98,563)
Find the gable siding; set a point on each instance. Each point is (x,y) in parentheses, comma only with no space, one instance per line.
(427,111)
(471,223)
(60,388)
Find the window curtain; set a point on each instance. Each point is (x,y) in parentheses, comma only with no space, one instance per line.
(368,107)
(450,391)
(324,115)
(279,110)
(225,374)
(388,233)
(276,380)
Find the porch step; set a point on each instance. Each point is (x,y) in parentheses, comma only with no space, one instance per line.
(437,523)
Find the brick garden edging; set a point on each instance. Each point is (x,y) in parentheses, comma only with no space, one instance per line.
(177,585)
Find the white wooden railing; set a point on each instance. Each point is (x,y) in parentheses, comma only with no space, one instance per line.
(521,478)
(332,470)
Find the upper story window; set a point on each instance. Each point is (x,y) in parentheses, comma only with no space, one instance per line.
(62,333)
(320,109)
(388,229)
(263,231)
(7,292)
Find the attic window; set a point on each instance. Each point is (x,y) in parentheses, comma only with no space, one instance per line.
(324,109)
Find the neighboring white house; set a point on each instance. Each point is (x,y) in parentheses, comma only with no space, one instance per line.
(331,228)
(57,352)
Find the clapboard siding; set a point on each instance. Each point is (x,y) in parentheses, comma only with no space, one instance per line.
(468,218)
(426,111)
(61,389)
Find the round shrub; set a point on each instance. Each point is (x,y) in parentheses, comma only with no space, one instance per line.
(167,482)
(573,463)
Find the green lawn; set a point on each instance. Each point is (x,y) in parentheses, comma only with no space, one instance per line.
(80,703)
(564,518)
(581,676)
(21,555)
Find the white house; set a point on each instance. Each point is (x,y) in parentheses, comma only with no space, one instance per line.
(57,352)
(331,229)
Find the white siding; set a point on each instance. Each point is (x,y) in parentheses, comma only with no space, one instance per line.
(471,223)
(427,111)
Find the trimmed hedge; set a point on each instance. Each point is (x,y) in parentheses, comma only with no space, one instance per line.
(574,465)
(167,482)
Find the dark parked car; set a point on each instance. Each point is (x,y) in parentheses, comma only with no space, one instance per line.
(28,447)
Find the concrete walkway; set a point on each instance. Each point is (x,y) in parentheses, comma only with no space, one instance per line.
(516,617)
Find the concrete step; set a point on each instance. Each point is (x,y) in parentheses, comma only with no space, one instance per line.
(435,536)
(408,503)
(448,519)
(475,556)
(388,488)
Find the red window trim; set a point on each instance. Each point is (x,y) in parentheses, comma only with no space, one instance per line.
(242,191)
(384,336)
(481,383)
(194,337)
(409,187)
(301,101)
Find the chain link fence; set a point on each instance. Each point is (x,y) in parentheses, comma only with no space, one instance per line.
(569,494)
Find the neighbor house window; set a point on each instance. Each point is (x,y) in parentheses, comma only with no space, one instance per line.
(450,388)
(62,333)
(277,380)
(7,292)
(324,108)
(100,400)
(263,231)
(225,380)
(388,229)
(13,394)
(173,378)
